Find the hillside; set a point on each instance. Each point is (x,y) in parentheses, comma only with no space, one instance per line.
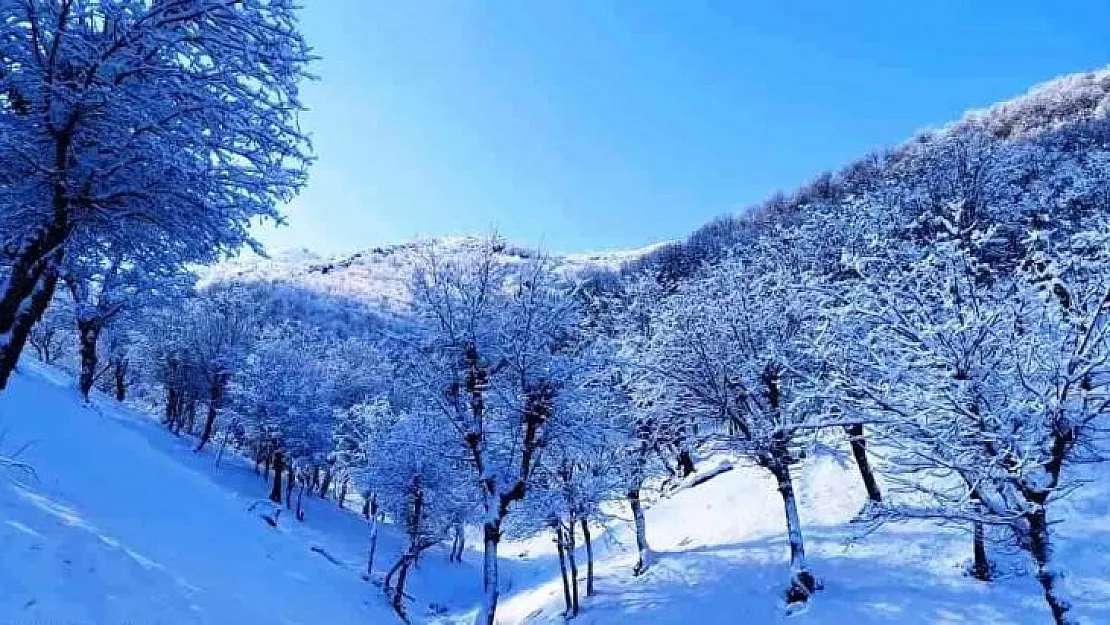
(117,521)
(122,522)
(378,277)
(1068,115)
(721,560)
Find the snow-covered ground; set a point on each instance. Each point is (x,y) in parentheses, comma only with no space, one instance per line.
(721,559)
(122,522)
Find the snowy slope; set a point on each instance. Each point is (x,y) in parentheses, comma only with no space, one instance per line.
(122,522)
(722,560)
(112,528)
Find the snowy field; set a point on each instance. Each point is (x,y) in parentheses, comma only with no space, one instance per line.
(121,522)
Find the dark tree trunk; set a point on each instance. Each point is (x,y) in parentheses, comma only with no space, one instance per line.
(1040,547)
(26,313)
(572,562)
(644,559)
(32,275)
(88,333)
(563,565)
(172,406)
(686,466)
(802,583)
(215,402)
(119,375)
(458,544)
(279,466)
(190,412)
(399,589)
(387,583)
(325,484)
(289,485)
(300,500)
(454,544)
(342,496)
(589,557)
(981,568)
(858,443)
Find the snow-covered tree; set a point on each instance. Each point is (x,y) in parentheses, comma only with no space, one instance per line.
(50,337)
(419,479)
(148,125)
(989,385)
(104,288)
(198,347)
(488,350)
(730,349)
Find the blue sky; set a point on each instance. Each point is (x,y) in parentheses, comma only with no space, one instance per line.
(589,125)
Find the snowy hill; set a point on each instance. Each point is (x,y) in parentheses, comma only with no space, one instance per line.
(379,276)
(120,522)
(721,559)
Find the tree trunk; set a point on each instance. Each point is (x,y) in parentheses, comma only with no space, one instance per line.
(399,590)
(460,543)
(119,375)
(215,402)
(859,451)
(300,500)
(32,276)
(16,324)
(373,545)
(802,583)
(637,506)
(172,406)
(491,533)
(557,526)
(279,465)
(190,412)
(589,557)
(366,504)
(1040,547)
(686,466)
(88,333)
(572,561)
(325,484)
(981,564)
(387,583)
(289,485)
(342,496)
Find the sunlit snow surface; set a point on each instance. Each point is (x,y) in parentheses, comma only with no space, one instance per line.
(122,523)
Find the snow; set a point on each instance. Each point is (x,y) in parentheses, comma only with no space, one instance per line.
(721,557)
(380,277)
(122,522)
(117,525)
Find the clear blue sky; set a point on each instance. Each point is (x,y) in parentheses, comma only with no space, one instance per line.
(592,124)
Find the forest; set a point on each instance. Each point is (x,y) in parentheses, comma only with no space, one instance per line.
(937,314)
